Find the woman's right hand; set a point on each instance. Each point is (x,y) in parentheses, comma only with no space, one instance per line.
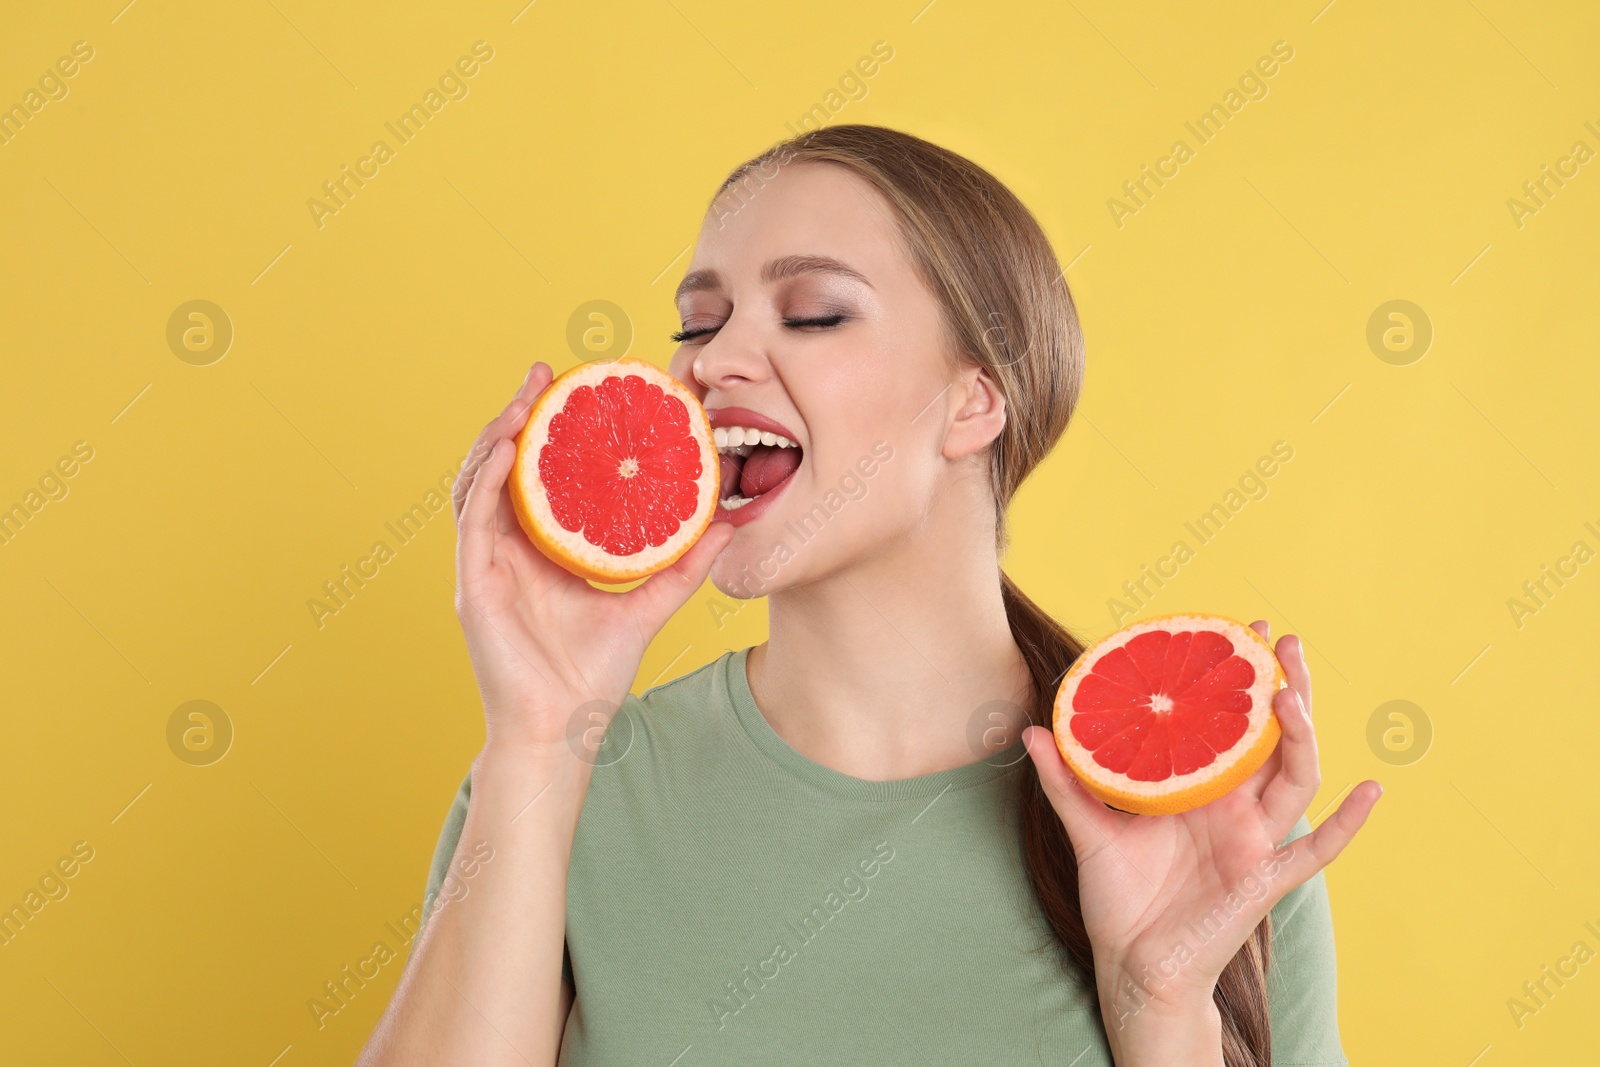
(549,649)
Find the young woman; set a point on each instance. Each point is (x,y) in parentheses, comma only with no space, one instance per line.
(809,851)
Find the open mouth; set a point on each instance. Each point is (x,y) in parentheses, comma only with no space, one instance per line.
(756,457)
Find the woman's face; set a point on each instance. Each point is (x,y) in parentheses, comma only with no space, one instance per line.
(805,318)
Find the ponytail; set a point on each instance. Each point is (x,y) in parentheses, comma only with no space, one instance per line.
(1241,993)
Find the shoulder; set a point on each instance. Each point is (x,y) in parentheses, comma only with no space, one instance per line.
(674,720)
(663,717)
(1302,977)
(697,684)
(1306,892)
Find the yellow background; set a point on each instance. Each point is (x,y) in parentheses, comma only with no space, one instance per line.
(1229,313)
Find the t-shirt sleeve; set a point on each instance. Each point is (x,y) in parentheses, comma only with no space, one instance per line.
(445,851)
(1302,979)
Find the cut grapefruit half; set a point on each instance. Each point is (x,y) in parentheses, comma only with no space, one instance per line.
(1169,713)
(616,474)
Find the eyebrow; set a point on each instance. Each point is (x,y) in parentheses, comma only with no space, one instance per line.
(775,271)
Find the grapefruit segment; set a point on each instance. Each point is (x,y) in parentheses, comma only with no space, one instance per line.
(616,474)
(1169,713)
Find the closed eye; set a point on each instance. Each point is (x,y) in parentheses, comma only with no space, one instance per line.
(824,321)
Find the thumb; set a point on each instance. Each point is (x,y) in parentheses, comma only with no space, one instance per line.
(1090,824)
(668,589)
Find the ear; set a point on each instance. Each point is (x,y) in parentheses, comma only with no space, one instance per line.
(979,413)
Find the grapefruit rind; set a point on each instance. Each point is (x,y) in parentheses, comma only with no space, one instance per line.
(1179,793)
(569,548)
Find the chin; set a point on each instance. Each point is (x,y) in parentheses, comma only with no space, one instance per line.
(754,565)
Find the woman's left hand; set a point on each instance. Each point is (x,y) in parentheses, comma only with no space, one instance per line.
(1169,900)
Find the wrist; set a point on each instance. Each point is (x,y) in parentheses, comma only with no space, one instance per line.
(518,773)
(1151,1024)
(549,729)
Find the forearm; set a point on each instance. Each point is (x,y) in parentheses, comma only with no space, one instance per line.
(483,984)
(1145,1032)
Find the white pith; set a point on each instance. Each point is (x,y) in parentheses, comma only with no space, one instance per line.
(538,435)
(1266,685)
(741,441)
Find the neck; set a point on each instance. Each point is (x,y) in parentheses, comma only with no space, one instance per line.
(894,668)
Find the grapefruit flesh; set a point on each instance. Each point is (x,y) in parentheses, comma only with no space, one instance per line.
(1169,713)
(616,474)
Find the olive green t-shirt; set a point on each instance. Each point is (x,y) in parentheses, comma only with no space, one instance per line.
(731,901)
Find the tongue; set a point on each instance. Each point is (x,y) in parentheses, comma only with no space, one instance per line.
(765,467)
(758,472)
(731,467)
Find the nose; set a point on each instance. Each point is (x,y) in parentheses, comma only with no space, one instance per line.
(724,363)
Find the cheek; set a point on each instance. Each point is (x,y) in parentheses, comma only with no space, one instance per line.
(898,482)
(832,515)
(681,367)
(873,485)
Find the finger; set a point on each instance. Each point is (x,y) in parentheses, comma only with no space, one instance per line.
(667,590)
(515,420)
(1290,791)
(475,541)
(1256,785)
(1090,825)
(469,470)
(1292,654)
(507,423)
(1314,851)
(482,445)
(1262,627)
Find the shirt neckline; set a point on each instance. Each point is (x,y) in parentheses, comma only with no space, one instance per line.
(765,738)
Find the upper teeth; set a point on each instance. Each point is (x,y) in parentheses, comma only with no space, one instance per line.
(740,436)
